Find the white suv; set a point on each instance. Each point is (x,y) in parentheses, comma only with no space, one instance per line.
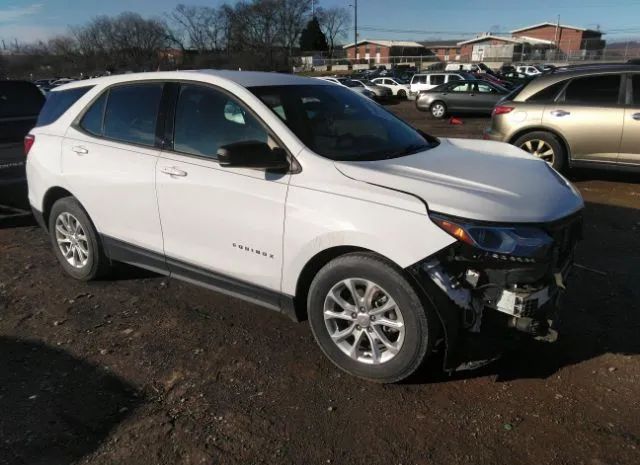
(301,196)
(427,81)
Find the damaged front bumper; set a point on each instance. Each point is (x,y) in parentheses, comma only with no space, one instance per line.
(487,302)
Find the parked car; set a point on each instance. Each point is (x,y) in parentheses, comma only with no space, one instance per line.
(425,81)
(516,78)
(20,103)
(470,67)
(61,81)
(495,80)
(529,70)
(399,87)
(461,97)
(506,69)
(578,117)
(379,92)
(351,84)
(298,195)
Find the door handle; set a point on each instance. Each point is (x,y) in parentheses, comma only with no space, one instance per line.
(560,113)
(173,171)
(80,150)
(636,116)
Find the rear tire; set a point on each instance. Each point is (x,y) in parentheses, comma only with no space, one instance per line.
(438,110)
(546,146)
(75,241)
(387,335)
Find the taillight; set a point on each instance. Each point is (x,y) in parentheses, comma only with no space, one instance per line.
(502,110)
(29,139)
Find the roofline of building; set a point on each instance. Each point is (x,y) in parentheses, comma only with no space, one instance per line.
(488,36)
(382,42)
(548,23)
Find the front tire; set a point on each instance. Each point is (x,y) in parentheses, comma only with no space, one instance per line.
(75,241)
(368,319)
(402,94)
(438,110)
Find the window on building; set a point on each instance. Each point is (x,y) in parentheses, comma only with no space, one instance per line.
(131,113)
(206,119)
(377,49)
(594,90)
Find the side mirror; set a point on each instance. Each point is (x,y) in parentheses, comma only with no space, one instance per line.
(252,154)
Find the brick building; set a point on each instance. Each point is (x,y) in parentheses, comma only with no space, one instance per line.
(443,50)
(570,40)
(488,47)
(380,50)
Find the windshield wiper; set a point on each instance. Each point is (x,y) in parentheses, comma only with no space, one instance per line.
(408,150)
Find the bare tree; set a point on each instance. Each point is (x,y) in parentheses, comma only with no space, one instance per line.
(334,22)
(292,17)
(202,27)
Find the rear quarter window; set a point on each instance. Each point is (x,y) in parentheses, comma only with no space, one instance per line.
(19,99)
(58,103)
(548,94)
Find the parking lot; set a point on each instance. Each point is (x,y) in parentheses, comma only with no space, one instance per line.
(141,369)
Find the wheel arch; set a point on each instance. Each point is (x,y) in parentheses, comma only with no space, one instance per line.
(524,131)
(52,195)
(311,269)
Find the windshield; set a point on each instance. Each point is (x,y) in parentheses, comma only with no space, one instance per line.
(341,125)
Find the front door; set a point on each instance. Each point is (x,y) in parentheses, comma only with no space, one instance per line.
(589,115)
(630,145)
(109,160)
(221,225)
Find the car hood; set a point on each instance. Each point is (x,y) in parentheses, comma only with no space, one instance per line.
(481,180)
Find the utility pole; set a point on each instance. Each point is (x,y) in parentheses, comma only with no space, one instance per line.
(355,23)
(557,37)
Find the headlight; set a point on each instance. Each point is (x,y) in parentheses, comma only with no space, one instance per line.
(519,241)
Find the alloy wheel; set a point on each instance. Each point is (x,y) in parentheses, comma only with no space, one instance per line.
(364,321)
(539,148)
(72,240)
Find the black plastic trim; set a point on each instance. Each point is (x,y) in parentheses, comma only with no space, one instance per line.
(128,253)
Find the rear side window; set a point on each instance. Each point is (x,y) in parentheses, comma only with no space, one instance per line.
(454,77)
(594,90)
(19,98)
(59,102)
(131,113)
(548,94)
(93,118)
(419,79)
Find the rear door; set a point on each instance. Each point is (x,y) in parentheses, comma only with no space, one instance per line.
(589,115)
(630,145)
(484,97)
(109,161)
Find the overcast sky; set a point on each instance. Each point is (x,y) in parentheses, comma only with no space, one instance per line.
(28,20)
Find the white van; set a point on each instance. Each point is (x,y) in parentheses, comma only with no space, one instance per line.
(426,81)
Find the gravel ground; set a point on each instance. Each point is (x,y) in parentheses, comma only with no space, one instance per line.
(145,370)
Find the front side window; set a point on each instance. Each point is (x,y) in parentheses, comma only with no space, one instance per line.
(485,89)
(339,124)
(600,90)
(454,77)
(436,79)
(207,119)
(131,113)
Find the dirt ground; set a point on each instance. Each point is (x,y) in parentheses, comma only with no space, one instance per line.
(145,370)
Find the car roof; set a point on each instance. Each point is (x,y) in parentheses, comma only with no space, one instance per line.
(545,80)
(242,78)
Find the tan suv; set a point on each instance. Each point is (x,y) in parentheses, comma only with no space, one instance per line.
(577,116)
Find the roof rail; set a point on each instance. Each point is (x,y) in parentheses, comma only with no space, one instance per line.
(590,66)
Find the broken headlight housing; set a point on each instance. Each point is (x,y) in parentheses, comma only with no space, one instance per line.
(518,240)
